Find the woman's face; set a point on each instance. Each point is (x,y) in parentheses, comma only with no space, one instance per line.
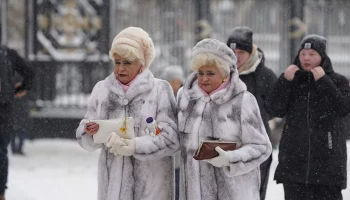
(242,57)
(126,70)
(309,59)
(209,78)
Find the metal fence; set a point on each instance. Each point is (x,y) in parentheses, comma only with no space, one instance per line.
(172,26)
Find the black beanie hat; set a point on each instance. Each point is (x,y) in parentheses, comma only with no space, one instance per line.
(241,38)
(315,42)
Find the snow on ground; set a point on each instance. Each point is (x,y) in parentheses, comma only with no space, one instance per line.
(59,169)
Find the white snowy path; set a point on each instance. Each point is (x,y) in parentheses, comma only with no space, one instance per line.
(59,169)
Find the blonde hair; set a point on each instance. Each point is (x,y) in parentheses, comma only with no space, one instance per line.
(206,59)
(127,52)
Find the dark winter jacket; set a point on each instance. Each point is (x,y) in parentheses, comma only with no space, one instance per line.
(313,143)
(259,83)
(20,66)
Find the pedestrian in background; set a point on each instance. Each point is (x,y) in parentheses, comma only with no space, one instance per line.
(174,74)
(21,119)
(314,99)
(259,80)
(10,62)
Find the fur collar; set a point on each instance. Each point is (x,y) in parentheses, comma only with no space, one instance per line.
(192,91)
(141,84)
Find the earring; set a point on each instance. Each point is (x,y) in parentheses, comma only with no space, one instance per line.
(224,80)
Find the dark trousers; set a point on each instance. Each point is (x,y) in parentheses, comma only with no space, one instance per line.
(311,192)
(177,180)
(264,176)
(20,134)
(5,133)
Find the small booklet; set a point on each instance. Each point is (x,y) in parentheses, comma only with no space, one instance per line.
(122,127)
(207,150)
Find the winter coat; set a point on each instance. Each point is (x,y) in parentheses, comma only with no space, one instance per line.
(148,175)
(231,114)
(313,144)
(21,67)
(259,83)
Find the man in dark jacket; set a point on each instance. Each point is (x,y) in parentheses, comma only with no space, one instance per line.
(259,80)
(15,64)
(314,99)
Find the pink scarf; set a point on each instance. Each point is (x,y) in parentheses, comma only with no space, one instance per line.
(126,86)
(222,86)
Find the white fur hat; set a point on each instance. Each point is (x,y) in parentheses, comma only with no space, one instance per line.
(139,39)
(218,49)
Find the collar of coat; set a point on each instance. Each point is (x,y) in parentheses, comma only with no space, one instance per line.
(326,64)
(192,91)
(141,84)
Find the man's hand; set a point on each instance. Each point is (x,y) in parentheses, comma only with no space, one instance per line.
(20,93)
(290,72)
(318,72)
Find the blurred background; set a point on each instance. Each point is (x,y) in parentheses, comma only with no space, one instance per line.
(67,41)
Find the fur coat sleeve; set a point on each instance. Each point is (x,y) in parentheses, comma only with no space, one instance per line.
(256,146)
(85,140)
(167,142)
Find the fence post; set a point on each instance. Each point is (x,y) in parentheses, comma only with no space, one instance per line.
(285,55)
(203,28)
(297,25)
(3,22)
(292,33)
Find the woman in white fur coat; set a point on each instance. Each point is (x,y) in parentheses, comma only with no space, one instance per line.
(139,168)
(214,103)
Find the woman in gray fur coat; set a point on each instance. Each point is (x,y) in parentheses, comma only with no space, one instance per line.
(214,103)
(139,168)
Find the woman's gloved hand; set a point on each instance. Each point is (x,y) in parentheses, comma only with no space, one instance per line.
(119,146)
(128,149)
(220,161)
(114,142)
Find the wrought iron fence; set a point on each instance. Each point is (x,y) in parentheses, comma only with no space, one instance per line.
(172,26)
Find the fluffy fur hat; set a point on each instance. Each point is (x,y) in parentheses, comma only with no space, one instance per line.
(139,39)
(315,42)
(241,38)
(218,49)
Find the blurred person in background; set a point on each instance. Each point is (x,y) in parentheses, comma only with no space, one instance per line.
(139,168)
(10,62)
(175,76)
(314,99)
(214,104)
(22,121)
(259,80)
